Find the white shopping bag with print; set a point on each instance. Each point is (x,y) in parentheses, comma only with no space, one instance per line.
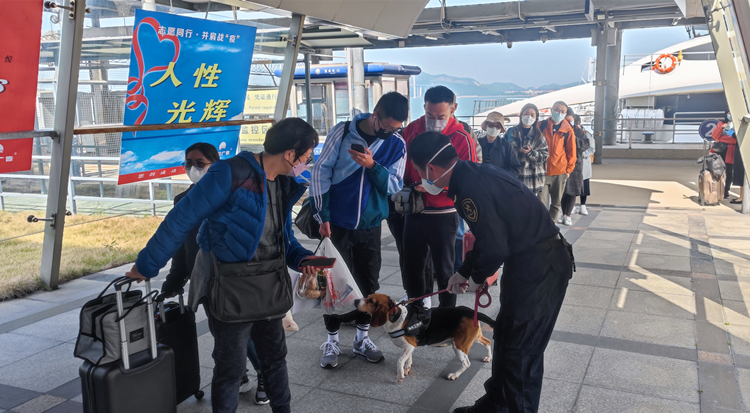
(341,289)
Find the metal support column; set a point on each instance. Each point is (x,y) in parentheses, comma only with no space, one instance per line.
(377,90)
(599,38)
(308,95)
(730,62)
(356,70)
(612,88)
(67,91)
(286,84)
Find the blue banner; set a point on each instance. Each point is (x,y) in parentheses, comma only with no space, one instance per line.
(182,70)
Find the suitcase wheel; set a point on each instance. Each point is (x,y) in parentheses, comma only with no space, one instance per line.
(199,394)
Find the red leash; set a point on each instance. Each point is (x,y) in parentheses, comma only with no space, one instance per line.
(477,300)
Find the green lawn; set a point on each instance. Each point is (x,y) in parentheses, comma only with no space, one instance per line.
(91,243)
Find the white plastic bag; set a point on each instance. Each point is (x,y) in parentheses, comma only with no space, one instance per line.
(341,289)
(300,303)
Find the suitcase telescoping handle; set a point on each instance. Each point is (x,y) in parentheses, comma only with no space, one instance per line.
(160,300)
(120,311)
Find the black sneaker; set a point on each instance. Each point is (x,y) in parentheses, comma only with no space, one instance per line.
(260,392)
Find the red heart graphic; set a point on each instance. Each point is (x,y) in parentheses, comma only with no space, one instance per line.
(137,94)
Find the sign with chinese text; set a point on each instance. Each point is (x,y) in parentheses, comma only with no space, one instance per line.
(261,102)
(254,134)
(20,34)
(182,70)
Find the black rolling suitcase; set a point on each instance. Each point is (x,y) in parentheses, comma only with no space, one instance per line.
(175,327)
(140,383)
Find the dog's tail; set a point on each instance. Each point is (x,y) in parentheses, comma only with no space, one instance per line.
(490,323)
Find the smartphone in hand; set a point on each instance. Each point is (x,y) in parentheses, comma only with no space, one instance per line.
(357,147)
(318,262)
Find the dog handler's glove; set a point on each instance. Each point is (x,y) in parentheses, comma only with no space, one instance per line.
(457,284)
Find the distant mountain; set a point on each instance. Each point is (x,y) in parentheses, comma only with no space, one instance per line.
(555,86)
(466,86)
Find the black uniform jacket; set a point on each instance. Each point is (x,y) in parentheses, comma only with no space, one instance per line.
(505,217)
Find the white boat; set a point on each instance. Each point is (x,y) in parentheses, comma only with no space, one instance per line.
(690,92)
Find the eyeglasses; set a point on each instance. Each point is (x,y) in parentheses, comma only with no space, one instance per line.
(391,131)
(198,164)
(308,161)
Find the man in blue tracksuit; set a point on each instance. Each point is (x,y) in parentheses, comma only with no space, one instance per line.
(361,164)
(244,204)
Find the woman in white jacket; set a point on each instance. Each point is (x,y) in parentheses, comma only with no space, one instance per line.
(587,172)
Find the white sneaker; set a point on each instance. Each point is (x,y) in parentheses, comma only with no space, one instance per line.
(246,385)
(567,221)
(583,210)
(560,219)
(574,211)
(427,302)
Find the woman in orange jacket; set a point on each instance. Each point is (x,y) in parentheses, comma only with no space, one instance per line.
(724,132)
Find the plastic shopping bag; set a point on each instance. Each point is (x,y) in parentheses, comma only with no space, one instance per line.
(301,303)
(341,289)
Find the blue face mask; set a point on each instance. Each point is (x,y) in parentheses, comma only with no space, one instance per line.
(558,117)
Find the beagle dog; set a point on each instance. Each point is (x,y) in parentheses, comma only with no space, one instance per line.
(447,326)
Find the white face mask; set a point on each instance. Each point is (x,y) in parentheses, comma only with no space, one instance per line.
(528,120)
(429,185)
(435,125)
(492,131)
(195,174)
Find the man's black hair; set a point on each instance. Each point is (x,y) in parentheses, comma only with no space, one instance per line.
(208,150)
(439,94)
(393,105)
(290,134)
(560,102)
(426,145)
(570,112)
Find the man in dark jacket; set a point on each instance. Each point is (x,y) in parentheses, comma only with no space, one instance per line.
(512,227)
(245,205)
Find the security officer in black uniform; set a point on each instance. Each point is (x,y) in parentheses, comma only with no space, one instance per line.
(513,227)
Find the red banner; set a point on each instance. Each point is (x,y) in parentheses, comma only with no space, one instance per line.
(20,32)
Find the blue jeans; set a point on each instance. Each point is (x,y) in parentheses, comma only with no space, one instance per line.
(232,345)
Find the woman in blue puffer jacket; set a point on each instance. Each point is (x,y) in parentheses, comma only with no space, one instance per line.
(244,204)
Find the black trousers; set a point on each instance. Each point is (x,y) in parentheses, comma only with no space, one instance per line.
(428,235)
(532,289)
(728,181)
(396,225)
(568,203)
(360,249)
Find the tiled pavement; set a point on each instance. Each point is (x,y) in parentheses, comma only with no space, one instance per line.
(655,320)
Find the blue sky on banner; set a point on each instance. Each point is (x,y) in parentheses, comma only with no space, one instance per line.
(182,70)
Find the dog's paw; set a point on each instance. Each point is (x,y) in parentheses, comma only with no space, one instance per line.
(407,370)
(487,359)
(452,376)
(399,379)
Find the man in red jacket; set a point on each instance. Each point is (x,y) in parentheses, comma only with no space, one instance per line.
(433,232)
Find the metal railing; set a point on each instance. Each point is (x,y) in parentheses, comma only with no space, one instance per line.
(79,162)
(625,125)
